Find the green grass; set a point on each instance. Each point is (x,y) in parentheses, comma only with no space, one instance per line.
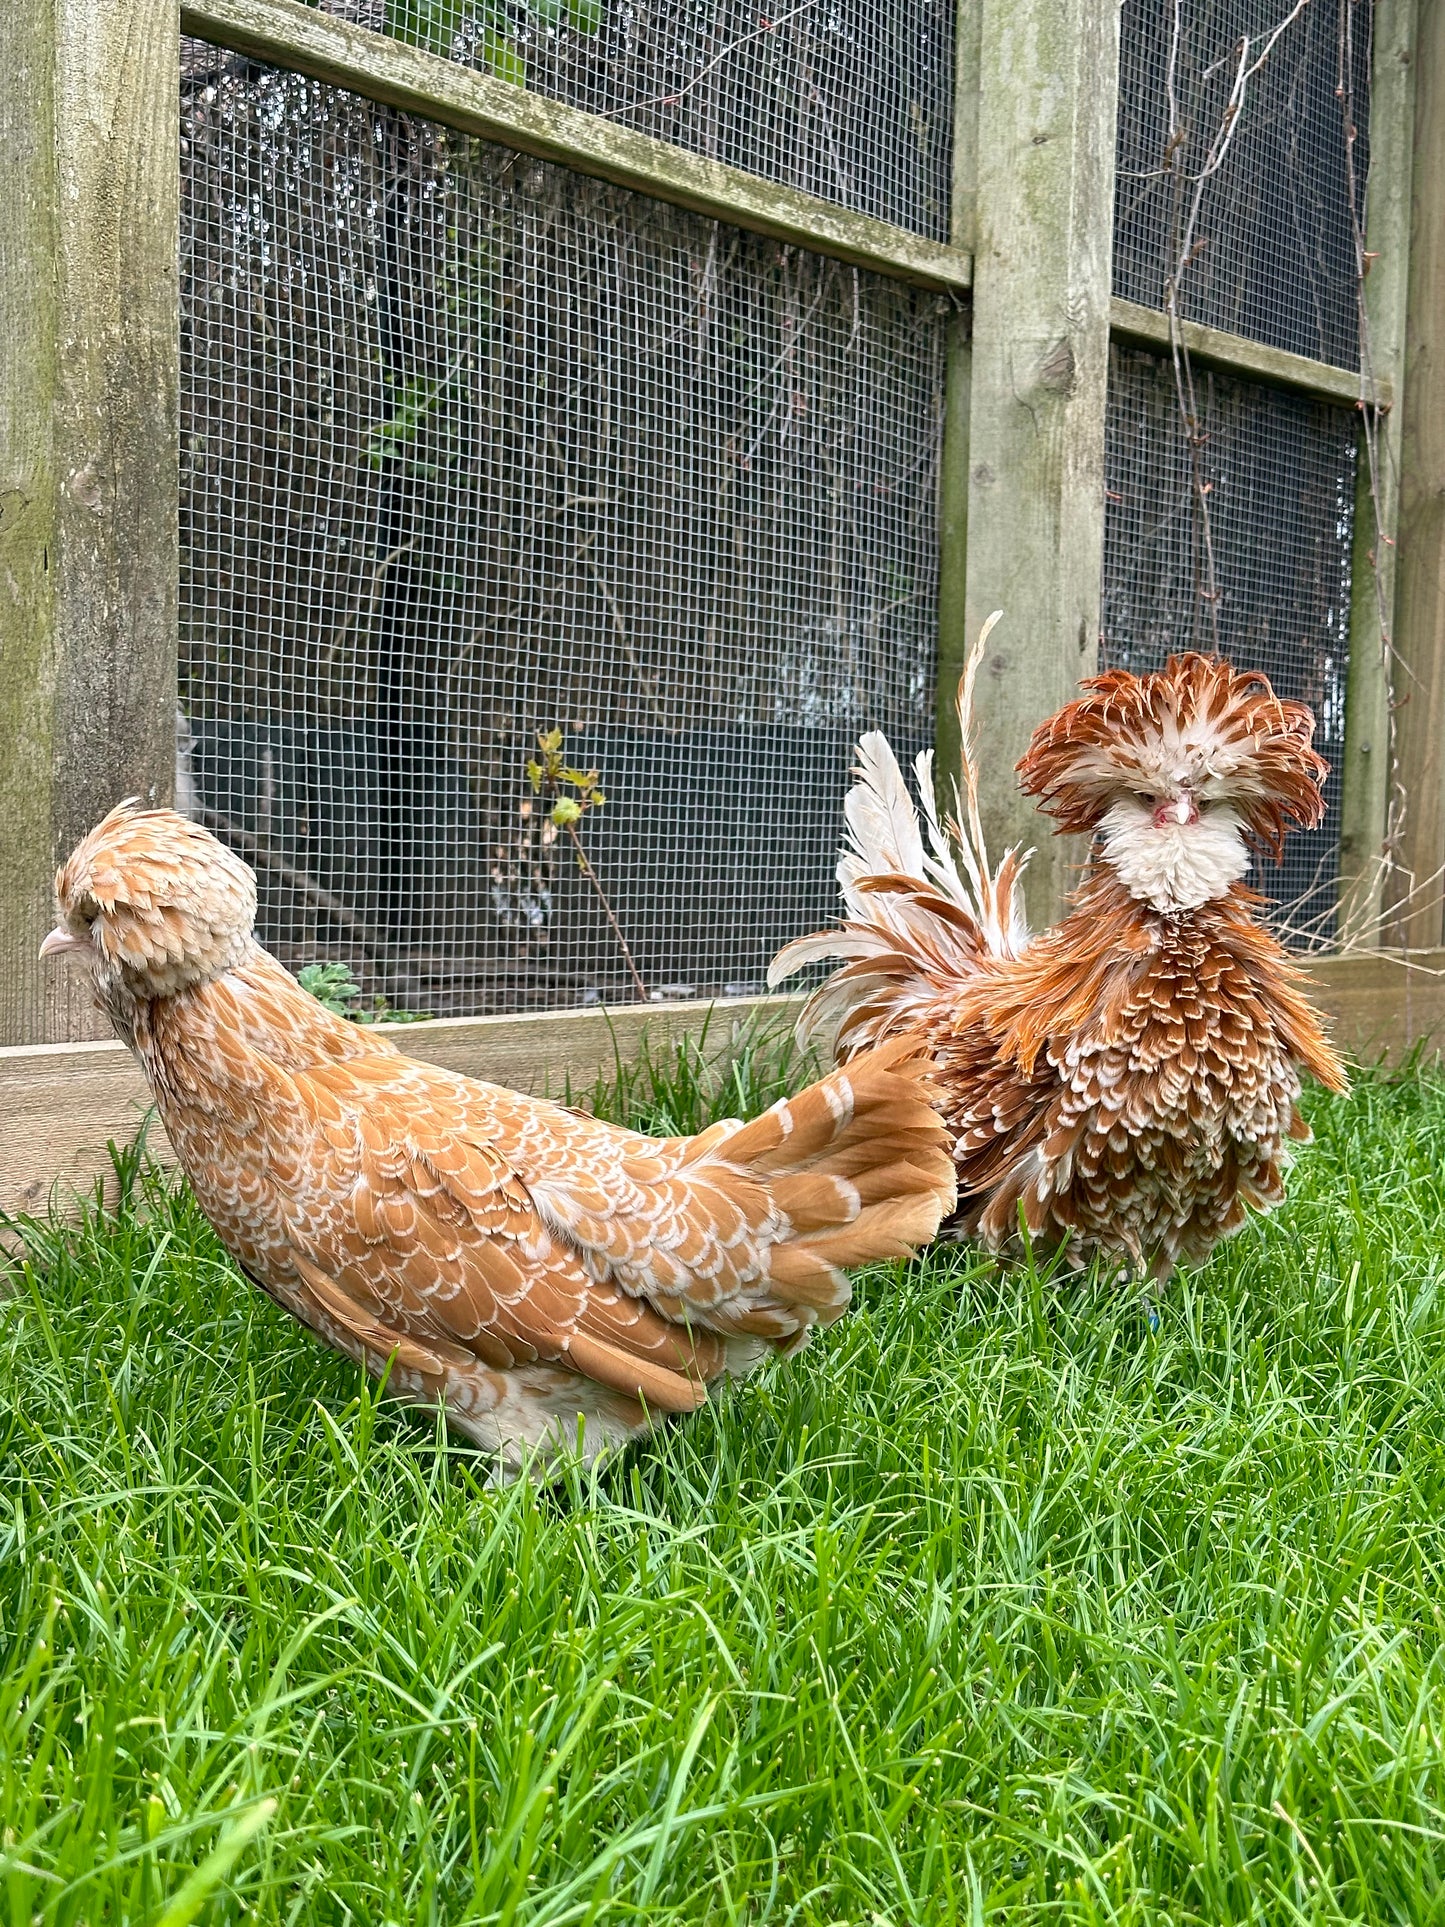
(994,1606)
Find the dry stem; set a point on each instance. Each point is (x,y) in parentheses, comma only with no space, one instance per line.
(1186,253)
(592,878)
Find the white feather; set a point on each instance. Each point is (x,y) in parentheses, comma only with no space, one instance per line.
(1004,925)
(882,836)
(1174,866)
(824,946)
(900,953)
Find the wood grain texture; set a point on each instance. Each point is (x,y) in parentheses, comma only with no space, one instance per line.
(1365,798)
(29,302)
(1420,564)
(953,638)
(1149,328)
(953,483)
(1384,1003)
(289,34)
(1043,208)
(62,1103)
(88,457)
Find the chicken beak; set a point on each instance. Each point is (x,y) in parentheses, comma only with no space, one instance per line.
(60,940)
(1180,809)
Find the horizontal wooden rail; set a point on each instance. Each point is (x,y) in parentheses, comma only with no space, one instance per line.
(1149,328)
(288,34)
(62,1103)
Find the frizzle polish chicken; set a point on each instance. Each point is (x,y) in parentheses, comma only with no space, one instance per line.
(527,1268)
(1127,1081)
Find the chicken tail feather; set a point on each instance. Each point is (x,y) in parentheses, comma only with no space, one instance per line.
(859,1165)
(922,905)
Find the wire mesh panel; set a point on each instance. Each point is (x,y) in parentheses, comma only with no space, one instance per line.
(473,448)
(851,100)
(1278,475)
(1235,183)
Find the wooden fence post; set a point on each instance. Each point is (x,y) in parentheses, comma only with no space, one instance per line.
(1040,181)
(1365,802)
(1419,684)
(88,454)
(958,382)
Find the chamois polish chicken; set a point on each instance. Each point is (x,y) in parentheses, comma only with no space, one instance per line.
(519,1264)
(1127,1080)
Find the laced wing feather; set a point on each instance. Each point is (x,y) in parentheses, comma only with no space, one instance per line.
(526,1233)
(432,1239)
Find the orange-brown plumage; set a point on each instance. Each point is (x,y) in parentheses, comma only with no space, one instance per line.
(1258,745)
(1125,1082)
(518,1263)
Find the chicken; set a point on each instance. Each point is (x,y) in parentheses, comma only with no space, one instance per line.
(535,1272)
(1126,1082)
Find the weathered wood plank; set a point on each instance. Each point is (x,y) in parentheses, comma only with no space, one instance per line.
(1047,95)
(967,50)
(1364,806)
(288,34)
(1149,328)
(62,1103)
(1384,1003)
(1420,562)
(88,462)
(953,492)
(953,484)
(29,301)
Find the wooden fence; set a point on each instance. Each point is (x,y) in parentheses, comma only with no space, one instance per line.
(89,376)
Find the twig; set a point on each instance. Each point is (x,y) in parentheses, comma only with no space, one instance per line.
(548,777)
(620,630)
(825,119)
(592,878)
(579,548)
(373,595)
(671,100)
(1186,254)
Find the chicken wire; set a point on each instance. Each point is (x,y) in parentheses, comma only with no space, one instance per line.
(850,100)
(1272,254)
(473,447)
(1279,470)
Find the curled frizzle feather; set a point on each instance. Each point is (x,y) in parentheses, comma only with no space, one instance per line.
(1199,722)
(922,904)
(997,895)
(1124,1084)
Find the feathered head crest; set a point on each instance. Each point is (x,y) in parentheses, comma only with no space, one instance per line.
(157,898)
(1197,724)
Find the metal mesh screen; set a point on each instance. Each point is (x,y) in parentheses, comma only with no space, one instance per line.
(472,447)
(851,100)
(1280,473)
(1272,253)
